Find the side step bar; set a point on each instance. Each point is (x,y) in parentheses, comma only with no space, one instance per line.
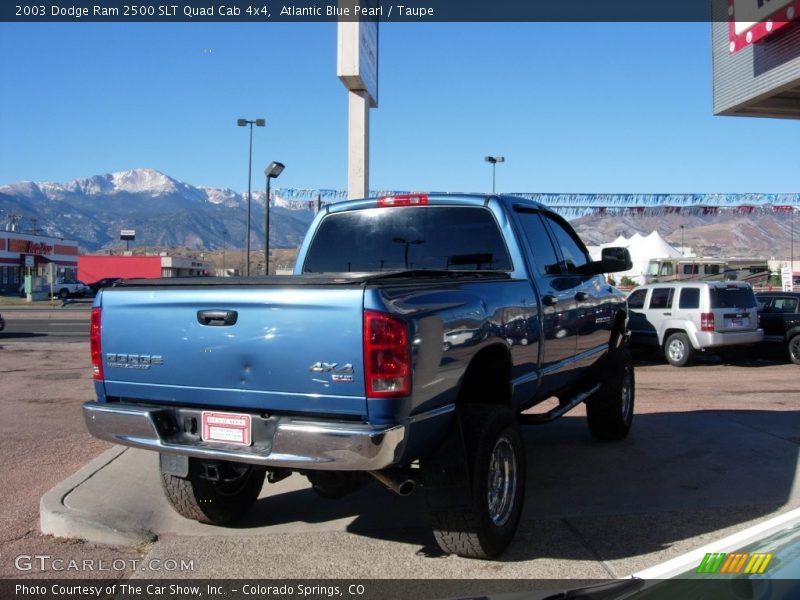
(561,409)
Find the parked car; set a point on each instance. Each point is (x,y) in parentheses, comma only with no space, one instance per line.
(65,288)
(779,317)
(103,283)
(694,316)
(2,323)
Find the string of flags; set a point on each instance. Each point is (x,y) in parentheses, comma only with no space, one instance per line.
(578,205)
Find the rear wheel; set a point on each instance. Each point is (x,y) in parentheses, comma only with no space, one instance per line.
(475,485)
(63,293)
(610,410)
(678,350)
(794,349)
(214,492)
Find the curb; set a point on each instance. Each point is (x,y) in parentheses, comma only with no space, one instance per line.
(57,519)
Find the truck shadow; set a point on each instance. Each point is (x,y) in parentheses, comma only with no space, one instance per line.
(677,476)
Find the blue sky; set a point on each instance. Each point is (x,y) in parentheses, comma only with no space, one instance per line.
(578,107)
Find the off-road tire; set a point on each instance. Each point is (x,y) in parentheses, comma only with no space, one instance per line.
(678,350)
(205,501)
(475,484)
(793,349)
(609,410)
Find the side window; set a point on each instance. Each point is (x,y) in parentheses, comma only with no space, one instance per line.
(544,254)
(666,269)
(785,305)
(690,269)
(661,297)
(712,269)
(689,298)
(636,299)
(575,255)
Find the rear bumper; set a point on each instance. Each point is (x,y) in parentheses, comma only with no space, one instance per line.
(709,339)
(285,442)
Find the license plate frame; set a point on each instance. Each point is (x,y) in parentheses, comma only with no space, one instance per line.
(226,428)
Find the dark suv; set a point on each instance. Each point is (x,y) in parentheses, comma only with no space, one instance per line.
(779,317)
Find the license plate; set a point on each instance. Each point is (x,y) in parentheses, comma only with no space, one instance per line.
(229,428)
(739,322)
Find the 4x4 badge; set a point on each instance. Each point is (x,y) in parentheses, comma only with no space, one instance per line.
(323,367)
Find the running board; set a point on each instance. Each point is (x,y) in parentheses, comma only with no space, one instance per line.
(558,411)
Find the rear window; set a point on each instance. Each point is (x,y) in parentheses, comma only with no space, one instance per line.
(732,297)
(456,238)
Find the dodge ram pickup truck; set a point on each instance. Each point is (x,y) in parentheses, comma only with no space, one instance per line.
(416,335)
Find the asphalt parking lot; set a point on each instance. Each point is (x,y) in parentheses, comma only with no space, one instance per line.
(713,449)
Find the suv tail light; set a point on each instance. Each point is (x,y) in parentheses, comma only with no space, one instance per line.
(387,356)
(706,321)
(94,344)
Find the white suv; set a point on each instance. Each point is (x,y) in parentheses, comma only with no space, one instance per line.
(687,317)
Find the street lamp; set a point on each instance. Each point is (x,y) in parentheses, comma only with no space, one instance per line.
(272,171)
(245,123)
(493,160)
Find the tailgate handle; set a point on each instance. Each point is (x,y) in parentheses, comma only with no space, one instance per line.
(217,317)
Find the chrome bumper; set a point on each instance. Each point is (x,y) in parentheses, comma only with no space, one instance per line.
(296,443)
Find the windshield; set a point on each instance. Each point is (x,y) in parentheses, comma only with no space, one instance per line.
(453,238)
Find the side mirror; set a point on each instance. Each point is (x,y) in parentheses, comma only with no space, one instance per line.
(614,260)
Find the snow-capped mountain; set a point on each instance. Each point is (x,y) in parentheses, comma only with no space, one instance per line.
(164,212)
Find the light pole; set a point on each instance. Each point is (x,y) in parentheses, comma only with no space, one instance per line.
(224,243)
(244,123)
(493,160)
(272,171)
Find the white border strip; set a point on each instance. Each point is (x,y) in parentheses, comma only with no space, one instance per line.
(691,559)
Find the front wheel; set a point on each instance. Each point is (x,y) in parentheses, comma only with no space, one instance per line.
(610,409)
(214,492)
(794,349)
(678,350)
(63,294)
(475,487)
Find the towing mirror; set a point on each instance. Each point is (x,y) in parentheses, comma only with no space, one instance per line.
(616,259)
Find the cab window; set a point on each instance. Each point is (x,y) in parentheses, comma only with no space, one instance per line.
(636,299)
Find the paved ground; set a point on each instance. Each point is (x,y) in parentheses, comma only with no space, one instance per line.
(714,448)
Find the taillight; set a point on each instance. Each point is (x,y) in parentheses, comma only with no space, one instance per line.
(706,321)
(94,344)
(387,356)
(403,200)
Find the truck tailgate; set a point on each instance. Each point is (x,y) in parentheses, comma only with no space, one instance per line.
(272,348)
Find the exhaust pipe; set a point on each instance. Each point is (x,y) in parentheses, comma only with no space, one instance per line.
(399,481)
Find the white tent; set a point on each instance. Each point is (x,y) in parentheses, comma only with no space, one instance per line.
(642,249)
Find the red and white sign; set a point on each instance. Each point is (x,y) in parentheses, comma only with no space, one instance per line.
(752,20)
(228,428)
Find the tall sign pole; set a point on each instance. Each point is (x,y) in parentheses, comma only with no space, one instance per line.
(357,67)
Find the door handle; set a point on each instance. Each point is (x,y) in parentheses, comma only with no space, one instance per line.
(218,318)
(549,300)
(581,296)
(668,314)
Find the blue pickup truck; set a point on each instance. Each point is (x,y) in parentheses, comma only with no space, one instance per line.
(416,335)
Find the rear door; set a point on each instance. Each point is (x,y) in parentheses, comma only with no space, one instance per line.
(734,307)
(557,295)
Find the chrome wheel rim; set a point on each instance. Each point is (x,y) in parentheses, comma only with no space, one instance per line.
(794,348)
(676,350)
(502,489)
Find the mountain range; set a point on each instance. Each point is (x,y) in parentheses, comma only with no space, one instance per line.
(163,211)
(166,212)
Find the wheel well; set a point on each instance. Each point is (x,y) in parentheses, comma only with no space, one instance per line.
(669,332)
(487,379)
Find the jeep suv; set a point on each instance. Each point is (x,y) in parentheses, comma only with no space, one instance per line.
(683,318)
(779,315)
